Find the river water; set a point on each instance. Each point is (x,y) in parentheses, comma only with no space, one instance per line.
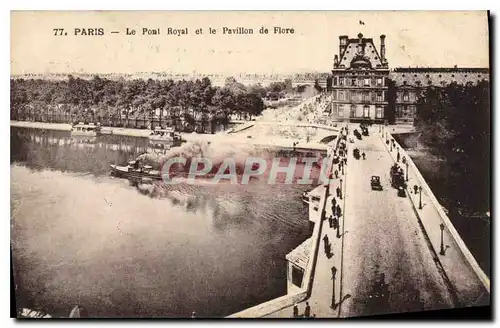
(81,237)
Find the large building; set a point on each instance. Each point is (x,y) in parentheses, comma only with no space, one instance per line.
(359,80)
(411,82)
(360,86)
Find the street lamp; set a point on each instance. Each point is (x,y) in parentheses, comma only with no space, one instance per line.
(406,162)
(442,252)
(334,274)
(420,202)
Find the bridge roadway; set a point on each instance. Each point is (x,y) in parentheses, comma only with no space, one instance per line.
(385,251)
(386,263)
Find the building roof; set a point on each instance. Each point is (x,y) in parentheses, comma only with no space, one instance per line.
(301,254)
(361,52)
(441,70)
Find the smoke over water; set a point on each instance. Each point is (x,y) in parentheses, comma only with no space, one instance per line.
(206,163)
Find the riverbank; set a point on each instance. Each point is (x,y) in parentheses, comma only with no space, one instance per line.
(248,138)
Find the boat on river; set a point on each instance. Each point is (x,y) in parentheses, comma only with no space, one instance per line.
(86,130)
(88,133)
(133,171)
(166,134)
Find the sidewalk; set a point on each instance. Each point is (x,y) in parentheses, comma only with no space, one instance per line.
(468,289)
(323,289)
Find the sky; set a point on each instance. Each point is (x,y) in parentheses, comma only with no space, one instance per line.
(424,39)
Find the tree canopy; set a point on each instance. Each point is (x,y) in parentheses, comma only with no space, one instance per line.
(193,102)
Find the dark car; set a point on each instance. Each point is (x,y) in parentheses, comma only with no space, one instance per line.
(375,183)
(355,153)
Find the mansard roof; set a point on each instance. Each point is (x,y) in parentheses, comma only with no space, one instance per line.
(356,52)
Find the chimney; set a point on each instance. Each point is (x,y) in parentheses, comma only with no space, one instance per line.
(343,44)
(382,48)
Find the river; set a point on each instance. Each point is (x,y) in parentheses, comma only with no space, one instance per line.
(79,236)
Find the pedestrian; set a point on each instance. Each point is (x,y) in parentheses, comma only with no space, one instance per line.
(345,160)
(335,222)
(398,156)
(307,312)
(330,221)
(295,311)
(415,188)
(334,201)
(325,239)
(338,192)
(336,174)
(404,160)
(339,211)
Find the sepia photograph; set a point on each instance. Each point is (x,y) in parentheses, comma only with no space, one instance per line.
(249,164)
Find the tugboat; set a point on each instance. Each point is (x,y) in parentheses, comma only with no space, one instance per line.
(135,171)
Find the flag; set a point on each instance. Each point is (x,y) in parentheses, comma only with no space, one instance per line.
(361,23)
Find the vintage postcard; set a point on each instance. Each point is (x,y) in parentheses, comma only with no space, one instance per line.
(300,164)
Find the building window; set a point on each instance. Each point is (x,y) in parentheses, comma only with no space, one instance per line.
(353,110)
(366,111)
(341,81)
(406,97)
(335,80)
(341,95)
(380,96)
(379,81)
(341,110)
(399,110)
(366,96)
(379,112)
(412,109)
(367,82)
(334,95)
(353,81)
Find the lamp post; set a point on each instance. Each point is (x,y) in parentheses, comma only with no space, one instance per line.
(406,162)
(334,274)
(420,202)
(442,252)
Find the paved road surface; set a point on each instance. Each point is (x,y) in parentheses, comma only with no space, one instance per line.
(387,264)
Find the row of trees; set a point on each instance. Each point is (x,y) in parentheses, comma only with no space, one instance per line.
(196,104)
(455,121)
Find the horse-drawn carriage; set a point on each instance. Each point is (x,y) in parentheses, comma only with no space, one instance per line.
(398,180)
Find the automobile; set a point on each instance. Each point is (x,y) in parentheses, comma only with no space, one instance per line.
(401,191)
(356,153)
(375,183)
